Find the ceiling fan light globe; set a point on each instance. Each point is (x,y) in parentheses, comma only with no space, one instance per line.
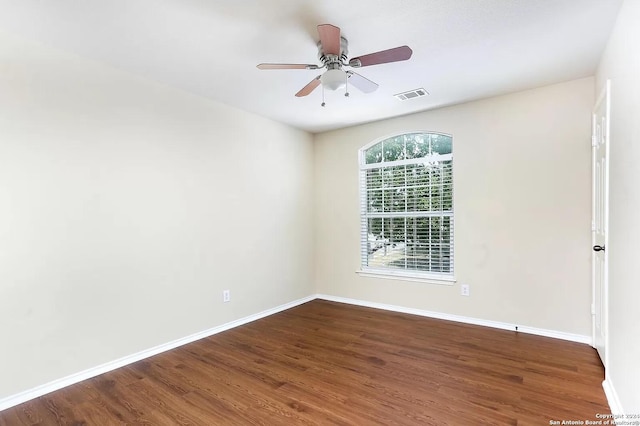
(333,79)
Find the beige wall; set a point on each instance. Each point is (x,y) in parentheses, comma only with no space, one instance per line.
(522,210)
(126,207)
(621,64)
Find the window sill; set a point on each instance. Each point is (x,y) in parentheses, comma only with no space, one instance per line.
(421,278)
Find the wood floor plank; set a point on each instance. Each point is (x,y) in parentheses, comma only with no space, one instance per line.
(326,363)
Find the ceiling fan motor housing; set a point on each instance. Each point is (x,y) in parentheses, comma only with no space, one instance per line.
(328,59)
(334,78)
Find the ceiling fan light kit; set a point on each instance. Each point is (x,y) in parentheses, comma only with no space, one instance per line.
(334,79)
(333,53)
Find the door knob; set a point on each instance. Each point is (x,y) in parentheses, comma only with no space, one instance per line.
(598,248)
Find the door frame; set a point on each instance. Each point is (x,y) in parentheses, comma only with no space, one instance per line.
(605,96)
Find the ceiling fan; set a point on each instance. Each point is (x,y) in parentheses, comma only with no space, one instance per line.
(333,53)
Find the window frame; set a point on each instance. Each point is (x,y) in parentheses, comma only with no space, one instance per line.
(444,278)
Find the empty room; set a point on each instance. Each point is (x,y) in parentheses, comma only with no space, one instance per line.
(282,212)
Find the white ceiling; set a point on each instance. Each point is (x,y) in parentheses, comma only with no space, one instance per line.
(462,49)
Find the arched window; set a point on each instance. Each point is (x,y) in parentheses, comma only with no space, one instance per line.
(406,193)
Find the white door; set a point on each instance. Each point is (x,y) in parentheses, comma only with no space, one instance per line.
(599,224)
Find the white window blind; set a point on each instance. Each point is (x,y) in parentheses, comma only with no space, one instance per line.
(406,196)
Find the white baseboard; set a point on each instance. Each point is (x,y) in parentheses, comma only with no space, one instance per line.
(458,318)
(612,397)
(46,388)
(38,391)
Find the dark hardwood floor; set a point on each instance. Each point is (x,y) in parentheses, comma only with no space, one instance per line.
(329,363)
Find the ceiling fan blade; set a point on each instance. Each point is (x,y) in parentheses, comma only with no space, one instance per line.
(363,84)
(396,54)
(329,39)
(287,67)
(309,87)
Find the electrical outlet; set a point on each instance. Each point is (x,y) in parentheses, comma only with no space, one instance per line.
(464,289)
(226,296)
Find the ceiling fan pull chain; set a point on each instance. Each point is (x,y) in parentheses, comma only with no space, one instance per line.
(322,104)
(346,85)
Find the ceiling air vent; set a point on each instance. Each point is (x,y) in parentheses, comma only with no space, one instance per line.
(415,93)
